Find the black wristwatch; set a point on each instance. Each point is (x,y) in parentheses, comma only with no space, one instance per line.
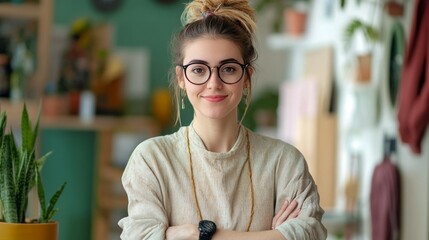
(207,229)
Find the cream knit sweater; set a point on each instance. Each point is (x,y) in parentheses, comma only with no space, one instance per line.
(158,183)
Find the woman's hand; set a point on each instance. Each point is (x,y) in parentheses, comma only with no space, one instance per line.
(182,232)
(288,211)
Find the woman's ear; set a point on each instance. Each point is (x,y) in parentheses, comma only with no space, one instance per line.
(179,75)
(250,68)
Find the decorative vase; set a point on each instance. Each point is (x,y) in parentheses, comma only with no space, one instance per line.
(33,231)
(74,102)
(162,106)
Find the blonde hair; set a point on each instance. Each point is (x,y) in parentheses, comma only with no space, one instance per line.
(237,10)
(229,19)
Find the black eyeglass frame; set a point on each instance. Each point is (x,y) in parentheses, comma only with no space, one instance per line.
(243,67)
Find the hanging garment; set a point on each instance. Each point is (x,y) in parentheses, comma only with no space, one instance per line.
(413,111)
(385,201)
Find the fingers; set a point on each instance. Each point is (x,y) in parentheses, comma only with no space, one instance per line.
(294,214)
(287,211)
(279,213)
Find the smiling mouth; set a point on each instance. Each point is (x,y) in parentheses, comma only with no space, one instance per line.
(214,98)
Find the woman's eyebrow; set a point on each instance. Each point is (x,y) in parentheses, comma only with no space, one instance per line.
(228,60)
(197,61)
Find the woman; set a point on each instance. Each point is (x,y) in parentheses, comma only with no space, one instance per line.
(215,179)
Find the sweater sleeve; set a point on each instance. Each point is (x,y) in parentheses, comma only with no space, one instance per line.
(295,182)
(147,218)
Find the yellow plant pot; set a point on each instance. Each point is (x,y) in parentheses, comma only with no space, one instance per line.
(33,231)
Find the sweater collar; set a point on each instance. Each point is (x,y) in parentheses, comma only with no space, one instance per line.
(197,144)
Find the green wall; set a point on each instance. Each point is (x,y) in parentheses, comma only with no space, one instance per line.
(138,23)
(72,160)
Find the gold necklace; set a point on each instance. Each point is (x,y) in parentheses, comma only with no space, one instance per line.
(252,198)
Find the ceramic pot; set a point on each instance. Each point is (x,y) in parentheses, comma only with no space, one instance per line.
(295,21)
(363,71)
(394,9)
(162,106)
(55,105)
(33,231)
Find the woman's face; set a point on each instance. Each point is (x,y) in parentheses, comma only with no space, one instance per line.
(213,99)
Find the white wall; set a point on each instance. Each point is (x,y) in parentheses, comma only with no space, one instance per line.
(368,139)
(413,168)
(271,64)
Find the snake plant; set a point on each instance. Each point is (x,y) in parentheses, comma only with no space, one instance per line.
(20,172)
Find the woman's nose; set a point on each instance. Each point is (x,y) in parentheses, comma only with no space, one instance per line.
(214,80)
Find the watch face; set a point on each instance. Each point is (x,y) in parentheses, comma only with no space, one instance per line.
(107,5)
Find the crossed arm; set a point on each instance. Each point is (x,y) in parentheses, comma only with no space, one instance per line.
(190,231)
(148,217)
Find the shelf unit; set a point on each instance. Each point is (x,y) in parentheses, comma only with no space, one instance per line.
(316,134)
(40,12)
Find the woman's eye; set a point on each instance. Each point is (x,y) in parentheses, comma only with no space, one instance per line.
(229,69)
(197,70)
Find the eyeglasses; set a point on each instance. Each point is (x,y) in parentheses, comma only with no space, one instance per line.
(228,72)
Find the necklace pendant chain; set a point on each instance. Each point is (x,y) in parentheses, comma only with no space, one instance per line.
(252,197)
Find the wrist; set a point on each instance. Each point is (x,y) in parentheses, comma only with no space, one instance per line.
(207,229)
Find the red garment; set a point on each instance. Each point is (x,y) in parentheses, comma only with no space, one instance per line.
(385,201)
(413,111)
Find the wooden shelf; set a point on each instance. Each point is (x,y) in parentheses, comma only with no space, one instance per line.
(40,12)
(112,174)
(99,123)
(20,11)
(113,202)
(107,175)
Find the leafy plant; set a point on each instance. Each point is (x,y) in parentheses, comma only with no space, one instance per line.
(355,25)
(370,33)
(20,172)
(343,3)
(267,100)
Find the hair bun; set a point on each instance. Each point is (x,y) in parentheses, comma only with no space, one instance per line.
(237,10)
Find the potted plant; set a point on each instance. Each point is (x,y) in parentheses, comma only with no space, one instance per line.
(19,173)
(289,14)
(363,60)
